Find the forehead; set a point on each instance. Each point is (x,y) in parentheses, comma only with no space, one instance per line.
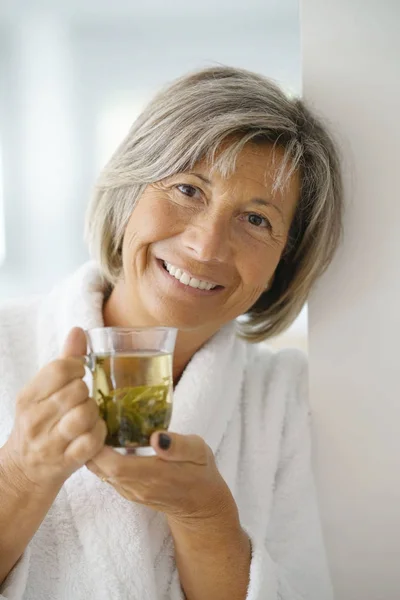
(258,161)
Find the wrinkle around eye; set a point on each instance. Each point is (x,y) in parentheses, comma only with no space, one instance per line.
(265,235)
(196,190)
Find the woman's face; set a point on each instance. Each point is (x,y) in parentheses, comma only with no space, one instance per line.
(194,229)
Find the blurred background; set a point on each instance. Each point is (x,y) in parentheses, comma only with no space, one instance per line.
(73,77)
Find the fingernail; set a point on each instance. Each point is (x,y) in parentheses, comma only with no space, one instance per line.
(164,441)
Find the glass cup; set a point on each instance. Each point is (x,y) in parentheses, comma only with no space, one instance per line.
(132,383)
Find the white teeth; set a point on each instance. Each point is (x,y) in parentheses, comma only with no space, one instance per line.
(186,279)
(195,283)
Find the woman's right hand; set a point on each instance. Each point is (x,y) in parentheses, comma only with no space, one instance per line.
(57,427)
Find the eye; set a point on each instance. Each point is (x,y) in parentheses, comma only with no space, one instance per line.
(258,221)
(187,190)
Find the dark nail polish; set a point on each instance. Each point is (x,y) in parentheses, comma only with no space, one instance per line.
(164,441)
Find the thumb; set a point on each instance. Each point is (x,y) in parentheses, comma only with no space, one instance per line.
(75,344)
(180,448)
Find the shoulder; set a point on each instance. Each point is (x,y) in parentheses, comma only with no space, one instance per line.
(18,319)
(17,312)
(276,385)
(17,355)
(282,370)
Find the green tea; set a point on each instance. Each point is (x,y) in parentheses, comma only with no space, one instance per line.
(134,395)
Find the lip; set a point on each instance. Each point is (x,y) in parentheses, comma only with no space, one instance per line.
(187,288)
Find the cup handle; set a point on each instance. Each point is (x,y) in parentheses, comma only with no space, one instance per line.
(89,362)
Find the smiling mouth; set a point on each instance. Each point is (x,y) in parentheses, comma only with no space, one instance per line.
(186,280)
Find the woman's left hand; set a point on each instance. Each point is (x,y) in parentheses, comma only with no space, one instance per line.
(182,481)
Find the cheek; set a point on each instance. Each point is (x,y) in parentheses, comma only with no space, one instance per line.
(150,222)
(257,269)
(161,217)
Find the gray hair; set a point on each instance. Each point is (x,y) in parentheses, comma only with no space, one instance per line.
(188,121)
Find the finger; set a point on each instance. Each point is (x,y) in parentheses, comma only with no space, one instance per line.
(43,416)
(91,465)
(48,413)
(50,379)
(117,466)
(78,420)
(180,448)
(96,471)
(74,393)
(86,446)
(109,462)
(75,344)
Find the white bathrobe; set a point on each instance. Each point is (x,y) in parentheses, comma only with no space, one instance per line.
(249,405)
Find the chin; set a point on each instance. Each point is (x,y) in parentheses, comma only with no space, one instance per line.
(184,324)
(180,319)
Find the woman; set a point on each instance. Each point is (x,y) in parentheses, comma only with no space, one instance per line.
(216,214)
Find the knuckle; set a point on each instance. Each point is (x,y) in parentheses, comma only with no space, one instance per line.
(59,398)
(77,416)
(87,445)
(84,415)
(75,455)
(27,426)
(60,368)
(70,395)
(81,449)
(67,368)
(66,429)
(93,441)
(26,397)
(79,388)
(75,423)
(36,425)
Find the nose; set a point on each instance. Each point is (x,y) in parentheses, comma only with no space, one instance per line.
(207,239)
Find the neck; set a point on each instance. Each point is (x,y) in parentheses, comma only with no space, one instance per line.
(115,314)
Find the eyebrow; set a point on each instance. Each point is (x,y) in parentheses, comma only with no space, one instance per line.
(208,181)
(259,201)
(262,202)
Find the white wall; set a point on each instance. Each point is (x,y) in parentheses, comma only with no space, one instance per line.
(351,52)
